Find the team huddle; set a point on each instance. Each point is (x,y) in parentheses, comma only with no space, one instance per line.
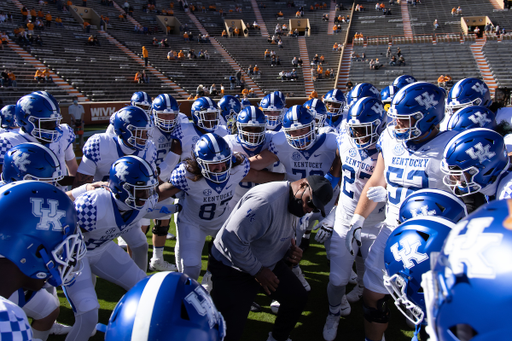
(386,178)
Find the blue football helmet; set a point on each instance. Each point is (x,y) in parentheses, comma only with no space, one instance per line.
(468,92)
(230,106)
(335,103)
(8,117)
(281,96)
(133,181)
(468,290)
(404,80)
(31,161)
(251,125)
(360,91)
(421,106)
(166,306)
(407,258)
(473,160)
(388,93)
(132,125)
(273,107)
(39,231)
(141,100)
(205,113)
(432,202)
(38,114)
(214,157)
(299,127)
(472,117)
(366,119)
(245,103)
(165,110)
(317,108)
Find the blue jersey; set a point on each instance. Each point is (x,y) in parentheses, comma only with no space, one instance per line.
(206,203)
(410,167)
(300,163)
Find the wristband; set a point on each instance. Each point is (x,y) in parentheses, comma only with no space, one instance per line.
(332,179)
(76,192)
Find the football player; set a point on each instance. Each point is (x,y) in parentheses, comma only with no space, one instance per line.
(209,180)
(366,119)
(410,152)
(229,107)
(166,306)
(8,118)
(274,107)
(335,103)
(103,215)
(45,247)
(38,115)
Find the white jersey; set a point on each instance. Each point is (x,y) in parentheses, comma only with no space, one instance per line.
(408,170)
(14,322)
(357,168)
(238,147)
(205,202)
(63,147)
(101,220)
(188,135)
(299,164)
(163,143)
(102,150)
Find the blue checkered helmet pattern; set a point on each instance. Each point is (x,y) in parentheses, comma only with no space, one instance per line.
(46,243)
(38,114)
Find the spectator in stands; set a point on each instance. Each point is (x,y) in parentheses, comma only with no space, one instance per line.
(392,61)
(237,31)
(295,62)
(181,55)
(4,78)
(185,36)
(213,90)
(319,71)
(295,33)
(280,43)
(224,33)
(321,59)
(238,76)
(145,55)
(300,61)
(58,22)
(87,27)
(255,25)
(388,52)
(138,77)
(200,90)
(48,20)
(401,61)
(30,28)
(314,74)
(372,64)
(335,47)
(279,14)
(325,17)
(38,76)
(232,82)
(39,25)
(12,79)
(454,12)
(269,39)
(327,73)
(436,24)
(459,11)
(266,54)
(256,70)
(441,81)
(273,60)
(47,76)
(477,31)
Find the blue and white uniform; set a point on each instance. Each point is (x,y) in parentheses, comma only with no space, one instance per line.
(63,147)
(205,208)
(408,168)
(103,218)
(102,150)
(188,134)
(238,147)
(14,322)
(357,168)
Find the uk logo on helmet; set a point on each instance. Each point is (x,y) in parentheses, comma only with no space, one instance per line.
(422,211)
(480,152)
(471,248)
(378,108)
(426,100)
(408,252)
(203,305)
(121,171)
(47,216)
(20,160)
(479,87)
(479,118)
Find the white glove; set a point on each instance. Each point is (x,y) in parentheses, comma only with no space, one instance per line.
(377,194)
(354,234)
(304,221)
(325,226)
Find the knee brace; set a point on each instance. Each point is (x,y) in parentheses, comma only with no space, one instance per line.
(379,315)
(160,229)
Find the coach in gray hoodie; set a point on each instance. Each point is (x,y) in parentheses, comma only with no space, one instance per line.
(255,249)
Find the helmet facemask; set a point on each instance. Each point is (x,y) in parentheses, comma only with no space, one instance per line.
(273,116)
(208,119)
(396,285)
(216,170)
(460,181)
(363,135)
(301,136)
(251,134)
(139,194)
(405,127)
(165,120)
(454,106)
(46,129)
(139,137)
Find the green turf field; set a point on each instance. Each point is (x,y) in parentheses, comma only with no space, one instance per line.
(315,267)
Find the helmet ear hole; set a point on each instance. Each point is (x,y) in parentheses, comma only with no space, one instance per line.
(184,313)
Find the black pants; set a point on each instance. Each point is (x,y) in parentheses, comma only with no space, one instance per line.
(234,291)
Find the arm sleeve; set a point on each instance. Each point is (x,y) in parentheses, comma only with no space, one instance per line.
(250,222)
